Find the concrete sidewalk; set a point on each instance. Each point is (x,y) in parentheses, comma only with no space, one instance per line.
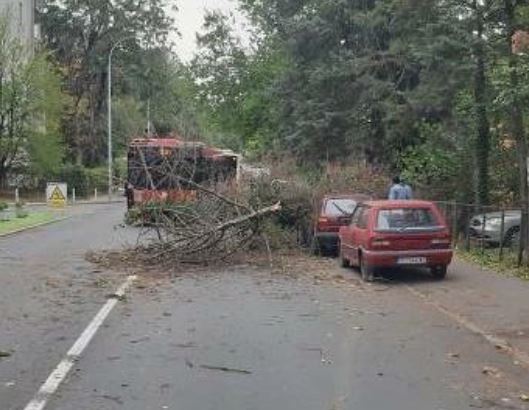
(492,303)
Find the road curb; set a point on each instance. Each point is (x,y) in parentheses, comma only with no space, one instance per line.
(76,203)
(28,228)
(502,345)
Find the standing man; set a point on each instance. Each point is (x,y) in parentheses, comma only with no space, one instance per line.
(400,190)
(129,193)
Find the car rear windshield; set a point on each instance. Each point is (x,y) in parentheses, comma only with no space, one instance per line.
(339,207)
(407,219)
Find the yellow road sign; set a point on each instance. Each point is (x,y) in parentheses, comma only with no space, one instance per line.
(56,195)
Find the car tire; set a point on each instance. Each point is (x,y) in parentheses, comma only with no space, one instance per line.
(439,272)
(344,262)
(367,271)
(512,237)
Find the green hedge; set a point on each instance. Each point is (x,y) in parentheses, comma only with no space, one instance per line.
(84,180)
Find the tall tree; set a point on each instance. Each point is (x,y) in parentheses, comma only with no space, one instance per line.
(81,34)
(30,105)
(481,103)
(516,115)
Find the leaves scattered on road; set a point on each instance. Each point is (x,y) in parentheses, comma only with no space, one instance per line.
(491,371)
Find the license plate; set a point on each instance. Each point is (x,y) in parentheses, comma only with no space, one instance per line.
(412,261)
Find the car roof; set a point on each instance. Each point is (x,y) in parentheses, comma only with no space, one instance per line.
(356,197)
(400,204)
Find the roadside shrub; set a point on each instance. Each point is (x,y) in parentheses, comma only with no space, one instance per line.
(352,179)
(300,193)
(97,178)
(4,216)
(20,211)
(83,179)
(75,176)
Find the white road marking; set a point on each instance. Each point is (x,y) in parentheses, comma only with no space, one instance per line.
(494,340)
(57,377)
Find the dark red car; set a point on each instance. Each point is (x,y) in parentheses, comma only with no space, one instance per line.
(334,212)
(385,234)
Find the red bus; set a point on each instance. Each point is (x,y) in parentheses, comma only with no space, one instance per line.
(170,169)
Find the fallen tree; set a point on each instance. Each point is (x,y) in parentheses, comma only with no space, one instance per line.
(204,231)
(212,219)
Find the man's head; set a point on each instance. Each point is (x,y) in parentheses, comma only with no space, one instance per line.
(396,180)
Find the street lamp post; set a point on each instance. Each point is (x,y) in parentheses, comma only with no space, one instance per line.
(109,104)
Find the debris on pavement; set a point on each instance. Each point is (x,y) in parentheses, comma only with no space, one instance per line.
(501,347)
(140,340)
(4,355)
(188,345)
(524,397)
(491,371)
(323,357)
(121,298)
(225,369)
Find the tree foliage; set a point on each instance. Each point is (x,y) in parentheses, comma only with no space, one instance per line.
(81,35)
(406,85)
(30,107)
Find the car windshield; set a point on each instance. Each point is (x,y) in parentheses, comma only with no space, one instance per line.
(407,219)
(339,207)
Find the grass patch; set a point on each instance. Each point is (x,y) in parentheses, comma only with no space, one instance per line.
(31,219)
(490,259)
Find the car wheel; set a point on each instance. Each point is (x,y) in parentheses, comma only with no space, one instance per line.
(344,262)
(439,272)
(366,271)
(512,237)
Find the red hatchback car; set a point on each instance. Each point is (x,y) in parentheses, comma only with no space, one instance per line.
(334,212)
(385,234)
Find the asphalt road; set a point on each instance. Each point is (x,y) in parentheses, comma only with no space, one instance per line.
(234,339)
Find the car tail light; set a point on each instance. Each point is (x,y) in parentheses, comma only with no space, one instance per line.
(323,220)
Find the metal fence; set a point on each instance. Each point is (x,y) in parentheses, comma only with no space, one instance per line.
(37,196)
(494,230)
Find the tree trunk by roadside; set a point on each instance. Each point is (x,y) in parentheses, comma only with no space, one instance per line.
(482,148)
(517,125)
(3,176)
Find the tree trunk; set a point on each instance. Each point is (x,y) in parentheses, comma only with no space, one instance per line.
(482,148)
(3,176)
(517,125)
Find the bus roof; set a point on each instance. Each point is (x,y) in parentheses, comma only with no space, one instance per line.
(165,143)
(177,143)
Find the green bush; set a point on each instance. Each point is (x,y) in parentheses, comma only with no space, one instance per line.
(20,211)
(83,179)
(75,176)
(4,216)
(97,177)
